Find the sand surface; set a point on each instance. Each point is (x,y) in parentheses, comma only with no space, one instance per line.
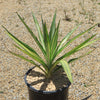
(86,71)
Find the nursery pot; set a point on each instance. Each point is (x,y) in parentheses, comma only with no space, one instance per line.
(34,94)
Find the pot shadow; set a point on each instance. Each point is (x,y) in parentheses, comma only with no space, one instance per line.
(58,79)
(86,98)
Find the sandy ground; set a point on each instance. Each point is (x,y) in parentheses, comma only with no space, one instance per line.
(86,71)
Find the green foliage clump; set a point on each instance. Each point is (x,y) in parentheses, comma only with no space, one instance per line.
(48,44)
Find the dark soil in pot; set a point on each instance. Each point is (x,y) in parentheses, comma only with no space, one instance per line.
(40,88)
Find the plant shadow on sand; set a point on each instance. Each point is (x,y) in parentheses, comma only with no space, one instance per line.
(58,79)
(86,98)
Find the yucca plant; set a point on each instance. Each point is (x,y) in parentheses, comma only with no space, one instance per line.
(48,44)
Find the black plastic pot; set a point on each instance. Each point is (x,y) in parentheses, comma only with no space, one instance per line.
(60,94)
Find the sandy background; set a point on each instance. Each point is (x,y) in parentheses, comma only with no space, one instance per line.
(86,71)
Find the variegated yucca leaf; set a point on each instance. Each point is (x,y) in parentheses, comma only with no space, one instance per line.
(66,68)
(47,41)
(26,59)
(53,27)
(39,31)
(32,34)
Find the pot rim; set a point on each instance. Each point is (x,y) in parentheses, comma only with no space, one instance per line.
(41,91)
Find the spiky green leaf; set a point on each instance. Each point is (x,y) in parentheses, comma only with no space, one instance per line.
(22,57)
(54,41)
(66,69)
(79,47)
(27,48)
(26,59)
(89,43)
(1,92)
(47,43)
(74,38)
(39,31)
(66,37)
(32,34)
(33,56)
(53,26)
(74,59)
